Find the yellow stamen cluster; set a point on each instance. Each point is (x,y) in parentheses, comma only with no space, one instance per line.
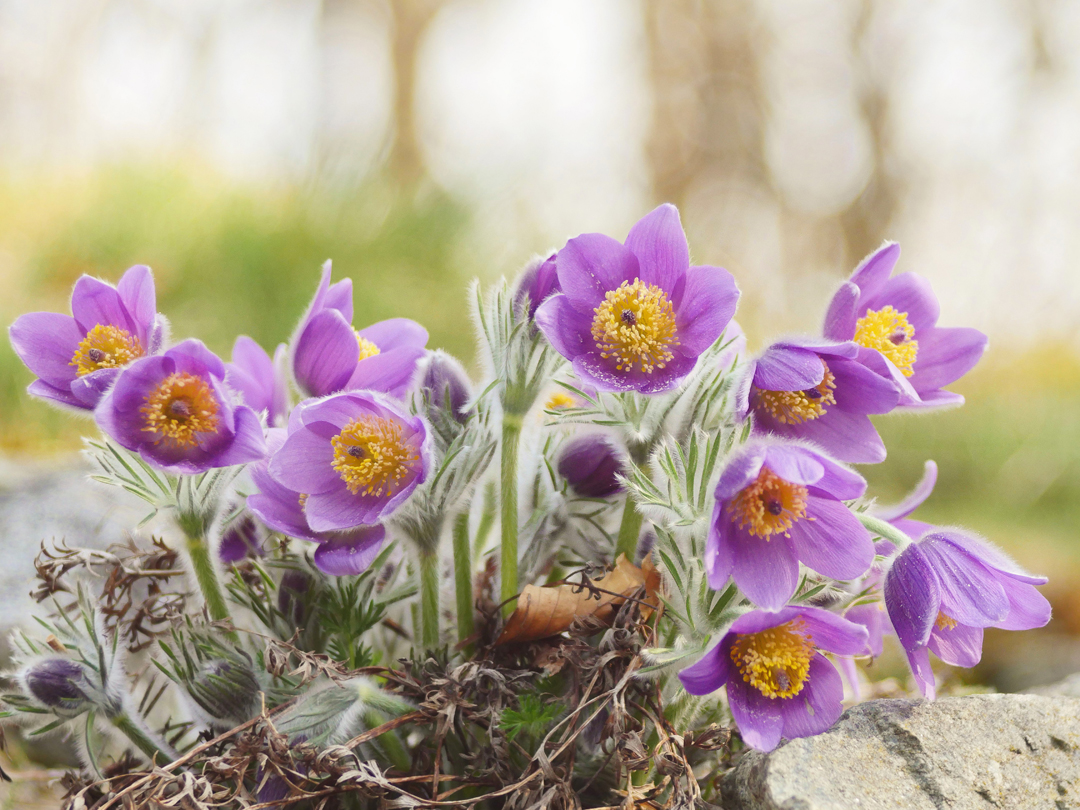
(889,332)
(945,622)
(776,661)
(371,456)
(367,348)
(106,346)
(635,325)
(769,505)
(181,407)
(796,407)
(559,400)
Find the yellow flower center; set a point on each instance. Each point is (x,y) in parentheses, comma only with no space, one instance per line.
(889,332)
(371,456)
(635,325)
(769,505)
(105,347)
(945,622)
(181,407)
(367,348)
(776,661)
(796,407)
(559,400)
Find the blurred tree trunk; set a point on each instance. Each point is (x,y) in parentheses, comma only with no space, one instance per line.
(410,22)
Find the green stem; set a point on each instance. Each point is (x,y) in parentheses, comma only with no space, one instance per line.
(202,565)
(883,529)
(429,600)
(463,576)
(629,531)
(140,738)
(511,436)
(487,517)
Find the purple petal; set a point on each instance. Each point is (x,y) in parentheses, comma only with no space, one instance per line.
(707,306)
(659,243)
(136,289)
(1028,608)
(945,355)
(758,620)
(919,661)
(927,400)
(883,367)
(838,481)
(591,265)
(338,510)
(247,444)
(303,464)
(833,633)
(339,296)
(970,593)
(90,388)
(872,617)
(743,468)
(795,464)
(94,302)
(960,646)
(395,332)
(850,437)
(719,561)
(767,571)
(860,389)
(910,294)
(782,368)
(350,554)
(874,270)
(41,389)
(760,719)
(326,354)
(913,501)
(280,515)
(711,672)
(390,371)
(818,705)
(568,330)
(602,374)
(338,410)
(831,541)
(840,320)
(46,342)
(912,597)
(192,357)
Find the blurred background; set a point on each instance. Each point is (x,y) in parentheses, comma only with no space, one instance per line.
(234,146)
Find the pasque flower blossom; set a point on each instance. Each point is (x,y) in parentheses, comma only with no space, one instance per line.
(329,355)
(591,465)
(941,592)
(78,356)
(820,391)
(177,413)
(779,504)
(778,683)
(895,321)
(356,457)
(261,381)
(538,282)
(635,316)
(282,509)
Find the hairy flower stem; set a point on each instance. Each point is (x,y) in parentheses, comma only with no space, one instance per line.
(463,576)
(629,531)
(487,518)
(429,599)
(886,530)
(202,565)
(140,739)
(508,569)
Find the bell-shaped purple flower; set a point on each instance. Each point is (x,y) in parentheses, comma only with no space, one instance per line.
(261,381)
(538,282)
(895,320)
(944,589)
(177,413)
(591,466)
(340,553)
(778,683)
(779,504)
(446,384)
(356,456)
(241,539)
(635,316)
(329,355)
(77,357)
(820,391)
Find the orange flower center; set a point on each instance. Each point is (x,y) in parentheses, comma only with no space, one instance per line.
(105,346)
(181,407)
(367,348)
(635,326)
(796,407)
(769,505)
(889,332)
(558,401)
(945,622)
(776,661)
(371,455)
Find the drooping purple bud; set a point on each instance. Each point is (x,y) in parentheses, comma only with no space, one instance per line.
(292,596)
(227,690)
(447,384)
(591,466)
(538,281)
(240,539)
(59,684)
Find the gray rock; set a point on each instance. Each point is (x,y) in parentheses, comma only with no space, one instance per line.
(978,751)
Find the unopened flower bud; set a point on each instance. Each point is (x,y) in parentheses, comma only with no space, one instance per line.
(240,540)
(447,385)
(537,282)
(59,684)
(591,466)
(226,689)
(292,596)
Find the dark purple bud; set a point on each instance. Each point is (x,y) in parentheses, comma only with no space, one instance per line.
(447,385)
(227,690)
(58,683)
(537,282)
(292,596)
(591,465)
(240,540)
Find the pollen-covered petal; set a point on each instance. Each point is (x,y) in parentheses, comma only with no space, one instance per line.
(835,634)
(912,597)
(351,553)
(832,541)
(760,719)
(816,707)
(875,269)
(842,314)
(46,342)
(960,646)
(326,354)
(94,302)
(709,673)
(945,355)
(707,306)
(592,264)
(601,373)
(767,571)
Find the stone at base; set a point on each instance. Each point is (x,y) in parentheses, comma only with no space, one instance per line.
(977,751)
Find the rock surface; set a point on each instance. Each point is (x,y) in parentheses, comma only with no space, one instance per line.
(978,751)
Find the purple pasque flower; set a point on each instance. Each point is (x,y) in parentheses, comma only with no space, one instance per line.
(177,413)
(329,355)
(895,320)
(260,380)
(591,466)
(77,357)
(635,316)
(538,281)
(241,539)
(942,590)
(820,391)
(779,504)
(446,384)
(340,553)
(356,457)
(778,683)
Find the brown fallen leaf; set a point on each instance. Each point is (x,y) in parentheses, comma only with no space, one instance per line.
(543,612)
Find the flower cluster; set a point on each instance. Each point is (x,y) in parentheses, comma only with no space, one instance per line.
(733,468)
